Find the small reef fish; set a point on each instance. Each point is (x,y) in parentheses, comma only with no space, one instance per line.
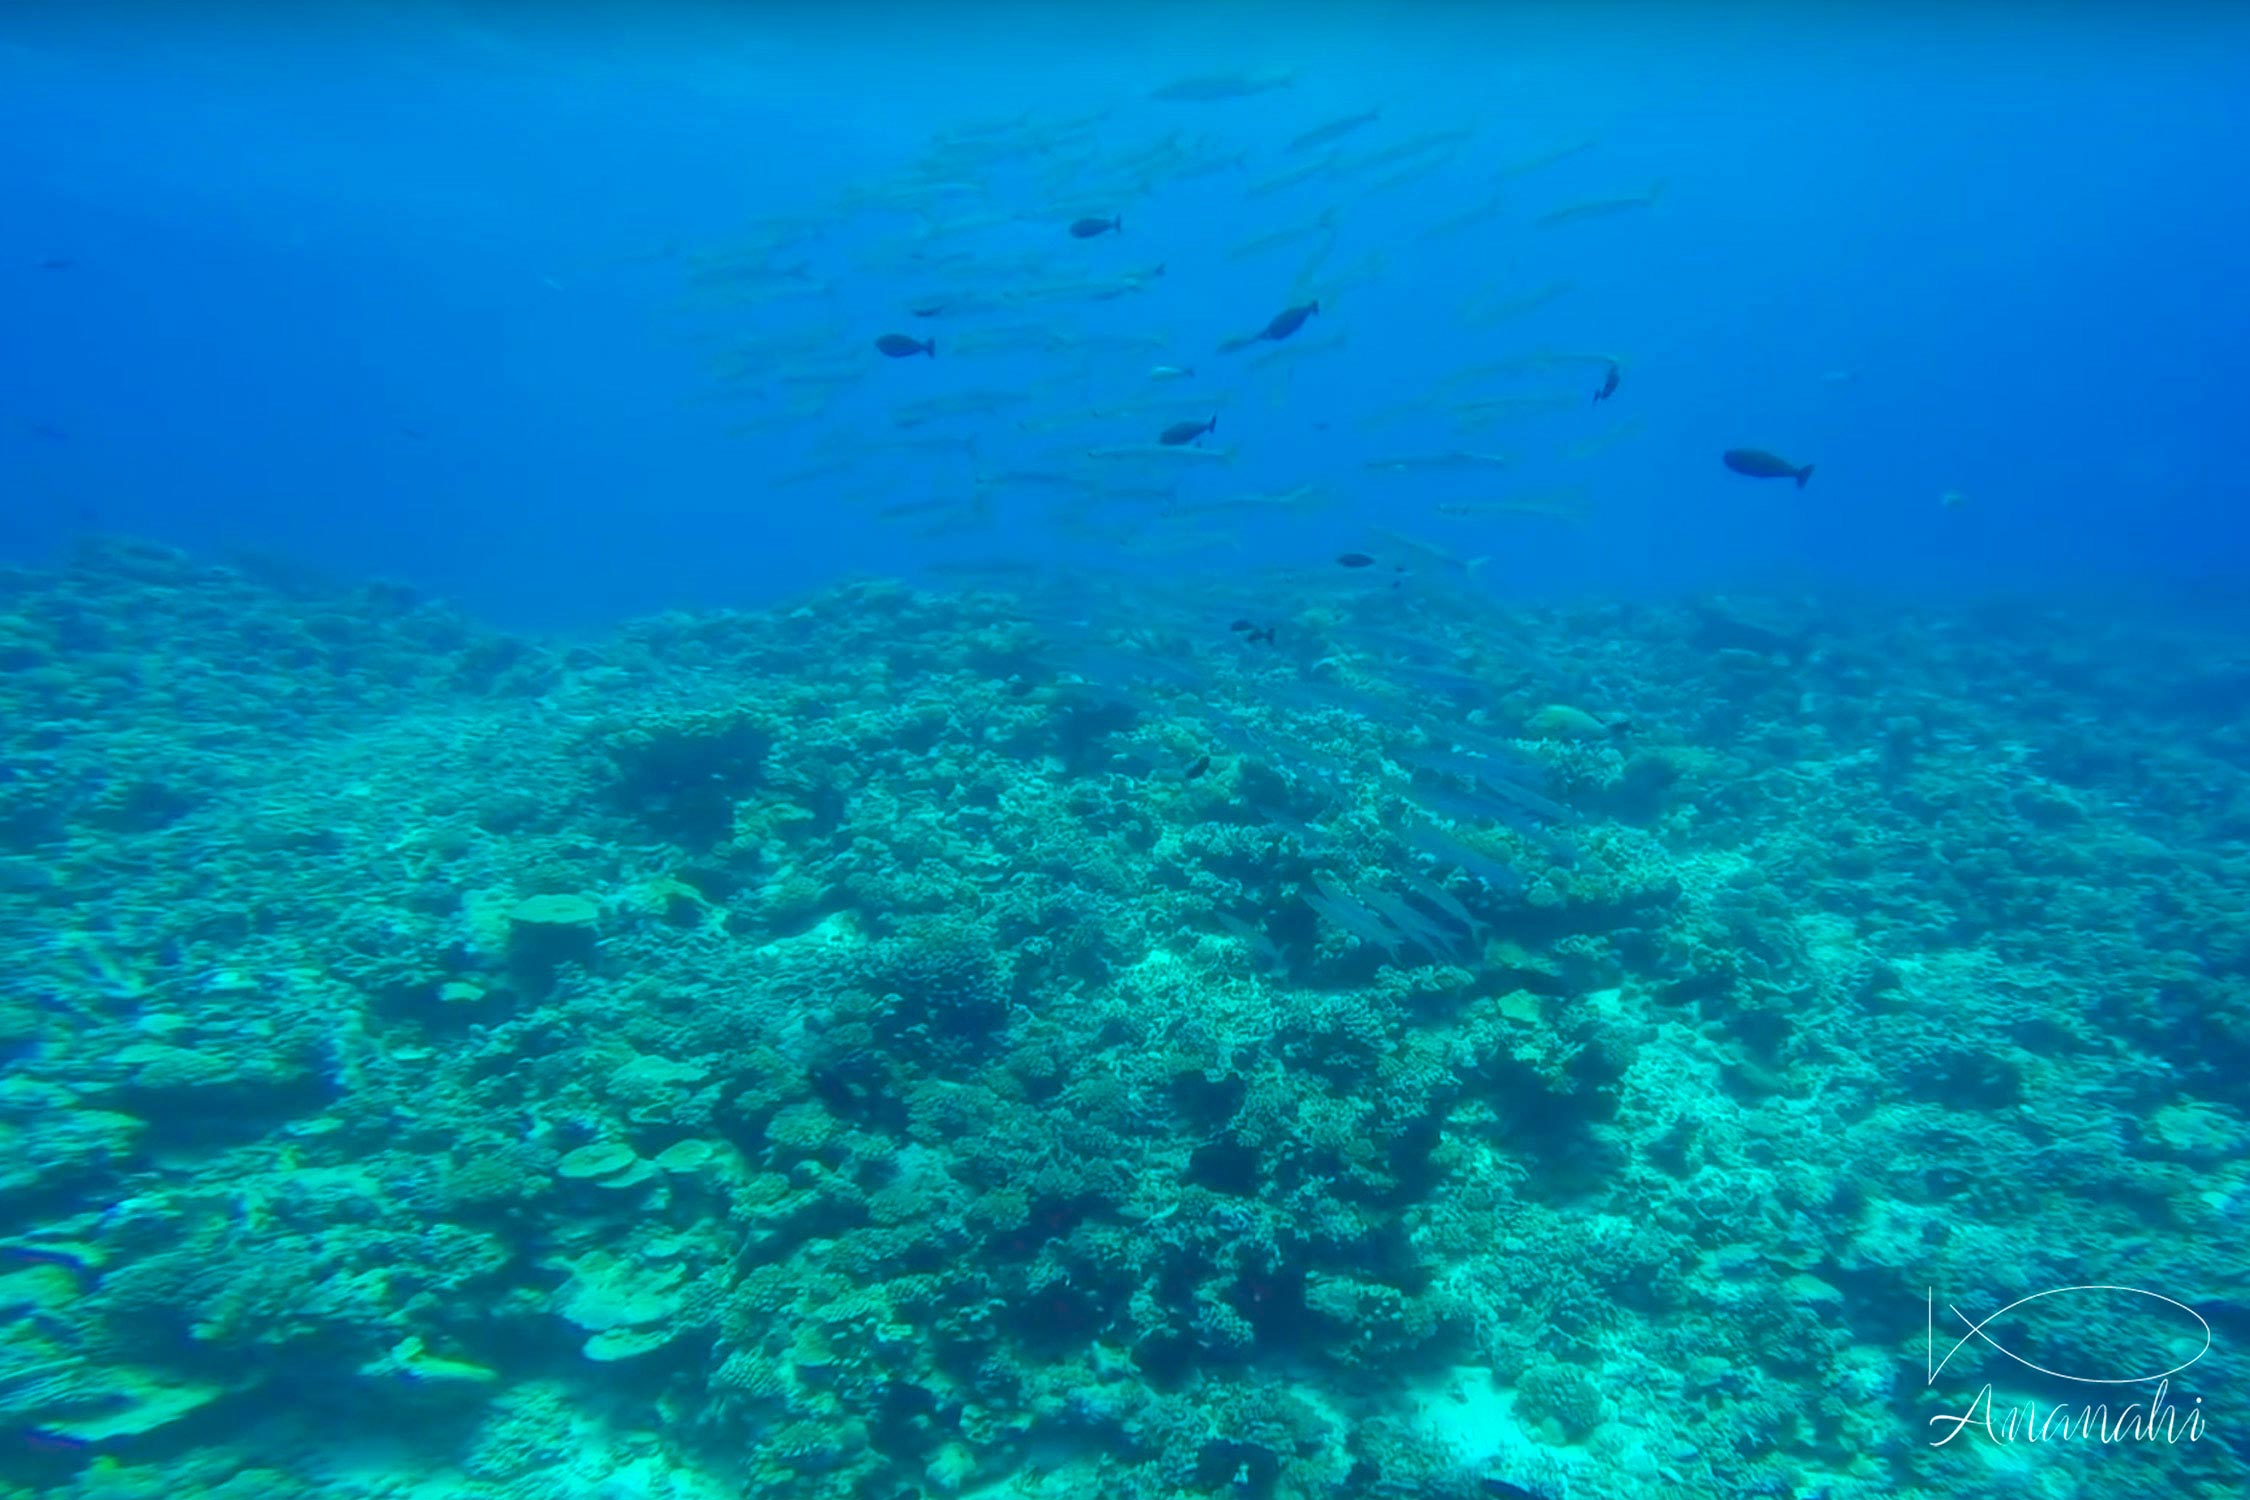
(1186,432)
(1759,464)
(1354,560)
(1609,385)
(1252,633)
(1086,229)
(899,346)
(1171,372)
(1335,130)
(1279,327)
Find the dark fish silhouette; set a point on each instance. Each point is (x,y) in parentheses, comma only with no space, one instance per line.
(1355,560)
(1252,634)
(1501,1489)
(1282,324)
(899,346)
(1186,432)
(1759,464)
(1196,768)
(1609,385)
(57,263)
(1086,229)
(1289,320)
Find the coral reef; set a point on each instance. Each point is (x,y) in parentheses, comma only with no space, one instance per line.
(838,1052)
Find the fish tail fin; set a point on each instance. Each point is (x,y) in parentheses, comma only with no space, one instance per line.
(1803,474)
(929,347)
(1117,225)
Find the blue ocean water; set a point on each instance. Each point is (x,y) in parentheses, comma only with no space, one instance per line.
(404,288)
(1261,876)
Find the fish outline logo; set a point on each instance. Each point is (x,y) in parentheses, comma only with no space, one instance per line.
(1976,1330)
